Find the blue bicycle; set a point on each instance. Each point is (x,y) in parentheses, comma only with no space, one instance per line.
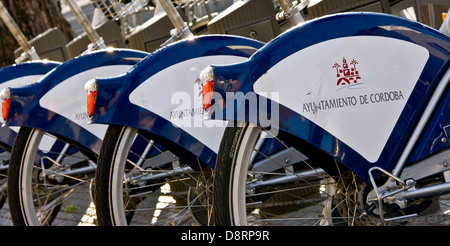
(365,97)
(17,75)
(28,69)
(159,102)
(54,153)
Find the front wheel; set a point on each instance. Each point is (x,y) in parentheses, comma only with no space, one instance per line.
(258,184)
(4,164)
(48,180)
(263,181)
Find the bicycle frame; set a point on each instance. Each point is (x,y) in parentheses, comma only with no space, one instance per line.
(348,69)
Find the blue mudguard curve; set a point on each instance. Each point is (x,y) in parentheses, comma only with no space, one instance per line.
(352,85)
(162,94)
(57,103)
(20,75)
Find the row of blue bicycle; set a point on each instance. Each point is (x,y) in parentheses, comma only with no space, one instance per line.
(343,119)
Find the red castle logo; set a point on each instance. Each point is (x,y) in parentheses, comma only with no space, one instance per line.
(200,86)
(345,74)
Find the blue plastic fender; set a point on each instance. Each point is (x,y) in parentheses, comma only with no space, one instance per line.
(352,85)
(162,94)
(16,76)
(57,103)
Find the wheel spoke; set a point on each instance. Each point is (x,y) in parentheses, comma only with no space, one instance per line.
(53,174)
(161,190)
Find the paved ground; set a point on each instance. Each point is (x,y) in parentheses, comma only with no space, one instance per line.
(79,211)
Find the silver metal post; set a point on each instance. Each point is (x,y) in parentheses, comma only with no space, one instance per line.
(292,13)
(84,22)
(172,13)
(285,5)
(175,18)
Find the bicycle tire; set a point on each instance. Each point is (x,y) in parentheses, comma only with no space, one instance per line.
(114,206)
(230,184)
(25,179)
(344,197)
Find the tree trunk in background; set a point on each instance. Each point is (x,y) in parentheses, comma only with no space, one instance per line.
(33,17)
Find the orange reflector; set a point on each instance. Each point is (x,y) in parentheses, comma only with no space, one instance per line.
(91,89)
(208,88)
(5,97)
(91,98)
(207,80)
(6,103)
(444,15)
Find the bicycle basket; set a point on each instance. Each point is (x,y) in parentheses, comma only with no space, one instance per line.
(115,9)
